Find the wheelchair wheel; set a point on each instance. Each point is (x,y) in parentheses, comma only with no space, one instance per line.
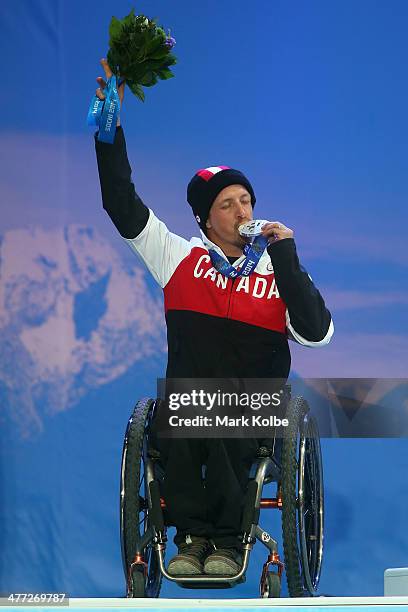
(272,587)
(302,501)
(134,507)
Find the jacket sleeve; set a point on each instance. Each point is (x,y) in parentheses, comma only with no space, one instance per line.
(119,197)
(307,319)
(148,237)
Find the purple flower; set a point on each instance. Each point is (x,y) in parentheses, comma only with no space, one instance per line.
(170,42)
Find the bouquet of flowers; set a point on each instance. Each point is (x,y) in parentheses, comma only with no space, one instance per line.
(139,52)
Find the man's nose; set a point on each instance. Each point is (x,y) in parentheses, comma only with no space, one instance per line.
(241,210)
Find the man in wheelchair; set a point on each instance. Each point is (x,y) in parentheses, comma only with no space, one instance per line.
(230,310)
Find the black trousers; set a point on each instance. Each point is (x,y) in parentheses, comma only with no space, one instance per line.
(206,502)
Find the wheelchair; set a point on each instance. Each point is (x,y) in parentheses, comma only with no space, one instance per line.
(297,473)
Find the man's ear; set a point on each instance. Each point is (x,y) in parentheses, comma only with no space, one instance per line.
(208,224)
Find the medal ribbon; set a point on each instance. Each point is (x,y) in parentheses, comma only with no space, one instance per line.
(104,113)
(253,252)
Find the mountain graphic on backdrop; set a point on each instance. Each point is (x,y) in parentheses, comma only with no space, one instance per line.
(73,317)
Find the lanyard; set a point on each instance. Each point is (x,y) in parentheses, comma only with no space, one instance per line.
(104,113)
(253,253)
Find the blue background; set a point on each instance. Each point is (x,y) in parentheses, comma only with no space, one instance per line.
(307,98)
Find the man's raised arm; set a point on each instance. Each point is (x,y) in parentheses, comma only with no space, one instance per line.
(119,197)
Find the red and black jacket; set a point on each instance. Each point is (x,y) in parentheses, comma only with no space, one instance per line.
(216,326)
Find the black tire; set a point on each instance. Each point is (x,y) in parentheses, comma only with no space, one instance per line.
(302,501)
(311,506)
(138,583)
(273,586)
(134,504)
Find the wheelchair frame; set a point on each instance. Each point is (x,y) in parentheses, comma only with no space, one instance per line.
(299,497)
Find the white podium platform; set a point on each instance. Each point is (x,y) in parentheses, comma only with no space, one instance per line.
(281,604)
(306,604)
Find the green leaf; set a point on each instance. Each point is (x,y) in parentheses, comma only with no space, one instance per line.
(115,28)
(151,82)
(165,74)
(159,54)
(165,65)
(152,65)
(137,90)
(129,20)
(147,78)
(154,44)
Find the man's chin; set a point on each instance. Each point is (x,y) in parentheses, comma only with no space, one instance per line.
(241,241)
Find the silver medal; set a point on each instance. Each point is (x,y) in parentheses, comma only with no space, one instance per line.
(252,228)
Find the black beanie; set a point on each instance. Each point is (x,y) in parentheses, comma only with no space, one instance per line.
(207,183)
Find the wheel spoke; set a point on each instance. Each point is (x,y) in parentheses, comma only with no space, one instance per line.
(142,520)
(141,481)
(304,515)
